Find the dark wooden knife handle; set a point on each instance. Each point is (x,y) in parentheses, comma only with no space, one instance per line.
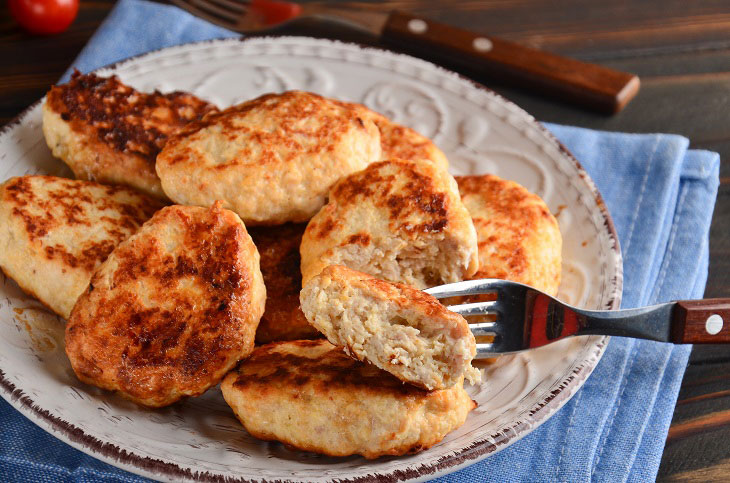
(701,322)
(588,85)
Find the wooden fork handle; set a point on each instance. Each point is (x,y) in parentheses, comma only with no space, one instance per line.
(588,85)
(701,322)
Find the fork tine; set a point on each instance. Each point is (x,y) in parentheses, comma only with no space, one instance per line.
(216,10)
(476,308)
(467,287)
(240,7)
(483,328)
(485,350)
(188,5)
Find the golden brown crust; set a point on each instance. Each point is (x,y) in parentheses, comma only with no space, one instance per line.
(397,141)
(278,247)
(271,159)
(417,197)
(171,310)
(399,220)
(54,232)
(311,396)
(118,131)
(316,362)
(519,239)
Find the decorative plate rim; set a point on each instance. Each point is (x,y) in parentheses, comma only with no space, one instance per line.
(478,450)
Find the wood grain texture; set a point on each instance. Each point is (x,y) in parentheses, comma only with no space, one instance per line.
(692,321)
(697,443)
(681,51)
(715,472)
(702,424)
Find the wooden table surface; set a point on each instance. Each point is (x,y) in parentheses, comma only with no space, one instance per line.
(680,50)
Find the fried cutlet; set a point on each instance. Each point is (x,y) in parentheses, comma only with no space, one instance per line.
(171,310)
(397,220)
(278,247)
(271,160)
(398,328)
(398,141)
(108,132)
(54,232)
(519,239)
(310,395)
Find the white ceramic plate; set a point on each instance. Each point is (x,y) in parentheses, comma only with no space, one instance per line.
(200,439)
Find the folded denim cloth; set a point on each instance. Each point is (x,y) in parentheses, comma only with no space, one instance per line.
(660,195)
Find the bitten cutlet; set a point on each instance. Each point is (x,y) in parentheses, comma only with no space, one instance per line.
(278,247)
(310,395)
(109,132)
(398,220)
(396,327)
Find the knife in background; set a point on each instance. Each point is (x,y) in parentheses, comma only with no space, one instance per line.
(587,85)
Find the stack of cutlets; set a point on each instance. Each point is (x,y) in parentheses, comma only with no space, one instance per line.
(356,216)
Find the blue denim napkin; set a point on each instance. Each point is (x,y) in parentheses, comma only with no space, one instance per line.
(660,195)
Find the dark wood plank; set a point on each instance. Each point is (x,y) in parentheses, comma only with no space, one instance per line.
(584,84)
(696,449)
(718,282)
(30,64)
(591,30)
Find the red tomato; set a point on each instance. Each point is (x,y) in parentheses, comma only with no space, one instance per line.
(44,16)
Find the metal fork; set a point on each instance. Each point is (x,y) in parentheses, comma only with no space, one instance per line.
(527,318)
(249,16)
(588,85)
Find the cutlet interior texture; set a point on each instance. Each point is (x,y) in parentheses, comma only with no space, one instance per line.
(414,346)
(417,263)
